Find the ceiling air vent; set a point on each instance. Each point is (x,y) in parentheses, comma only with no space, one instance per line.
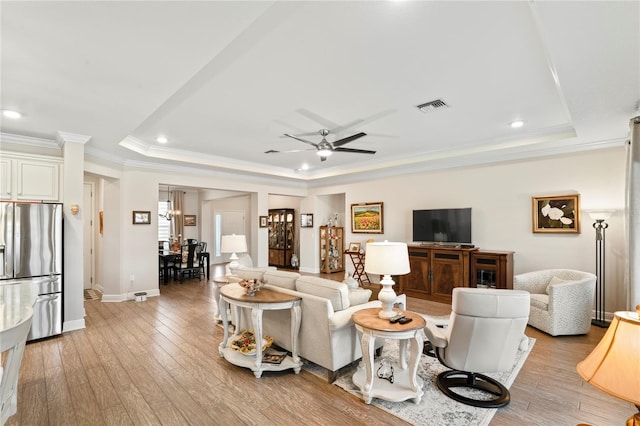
(432,106)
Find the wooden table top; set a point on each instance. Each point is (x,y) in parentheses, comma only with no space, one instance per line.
(236,292)
(368,318)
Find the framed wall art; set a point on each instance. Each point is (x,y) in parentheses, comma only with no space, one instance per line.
(141,217)
(367,218)
(189,220)
(354,248)
(306,220)
(556,214)
(263,221)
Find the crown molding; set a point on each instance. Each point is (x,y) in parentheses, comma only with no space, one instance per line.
(29,140)
(72,137)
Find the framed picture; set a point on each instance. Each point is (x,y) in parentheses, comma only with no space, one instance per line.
(306,220)
(263,221)
(189,220)
(366,218)
(354,247)
(141,217)
(556,214)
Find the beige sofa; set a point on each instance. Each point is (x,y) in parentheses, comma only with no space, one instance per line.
(327,335)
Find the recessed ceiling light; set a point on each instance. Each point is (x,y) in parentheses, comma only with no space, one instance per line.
(305,166)
(11,114)
(162,139)
(516,124)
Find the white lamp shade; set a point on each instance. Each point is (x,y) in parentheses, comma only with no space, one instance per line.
(233,244)
(387,259)
(600,214)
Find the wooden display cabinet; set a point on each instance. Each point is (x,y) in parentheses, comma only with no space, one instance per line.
(281,237)
(492,269)
(331,249)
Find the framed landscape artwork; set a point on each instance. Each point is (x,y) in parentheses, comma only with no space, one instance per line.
(367,218)
(354,247)
(556,214)
(189,220)
(141,217)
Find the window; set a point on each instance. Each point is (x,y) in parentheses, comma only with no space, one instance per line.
(164,225)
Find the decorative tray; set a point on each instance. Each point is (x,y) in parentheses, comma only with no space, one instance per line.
(245,343)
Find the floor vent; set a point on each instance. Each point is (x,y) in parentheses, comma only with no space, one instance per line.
(432,105)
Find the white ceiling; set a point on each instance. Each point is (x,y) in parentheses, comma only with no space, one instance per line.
(225,80)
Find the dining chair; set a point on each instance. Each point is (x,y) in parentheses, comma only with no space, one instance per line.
(201,261)
(188,262)
(12,342)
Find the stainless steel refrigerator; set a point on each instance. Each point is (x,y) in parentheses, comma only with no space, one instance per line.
(31,250)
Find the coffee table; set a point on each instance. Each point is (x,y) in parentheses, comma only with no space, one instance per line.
(265,299)
(406,383)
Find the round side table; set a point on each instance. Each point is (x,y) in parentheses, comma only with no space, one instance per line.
(406,384)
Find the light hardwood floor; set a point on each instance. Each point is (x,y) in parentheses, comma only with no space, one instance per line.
(156,362)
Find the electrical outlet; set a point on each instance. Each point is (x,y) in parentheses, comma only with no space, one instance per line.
(132,278)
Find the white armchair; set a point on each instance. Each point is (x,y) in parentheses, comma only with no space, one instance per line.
(561,300)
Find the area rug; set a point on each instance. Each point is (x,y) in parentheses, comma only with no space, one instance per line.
(435,409)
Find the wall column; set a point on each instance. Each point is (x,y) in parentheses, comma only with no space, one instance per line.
(73,193)
(633,216)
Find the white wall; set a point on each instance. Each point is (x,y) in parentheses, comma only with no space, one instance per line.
(500,198)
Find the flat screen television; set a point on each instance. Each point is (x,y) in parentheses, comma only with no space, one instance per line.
(442,226)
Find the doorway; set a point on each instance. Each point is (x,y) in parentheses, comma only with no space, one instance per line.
(87,234)
(226,223)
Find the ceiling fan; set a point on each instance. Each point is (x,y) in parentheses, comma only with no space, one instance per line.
(324,148)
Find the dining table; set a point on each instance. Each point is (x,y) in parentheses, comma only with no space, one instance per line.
(169,256)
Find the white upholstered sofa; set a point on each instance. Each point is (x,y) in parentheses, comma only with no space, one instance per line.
(561,300)
(328,336)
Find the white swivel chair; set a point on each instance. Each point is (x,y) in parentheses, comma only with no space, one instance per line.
(485,329)
(12,341)
(561,300)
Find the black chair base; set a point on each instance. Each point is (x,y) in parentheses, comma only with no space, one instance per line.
(462,379)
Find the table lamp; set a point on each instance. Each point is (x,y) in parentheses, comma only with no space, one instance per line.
(387,259)
(233,244)
(614,366)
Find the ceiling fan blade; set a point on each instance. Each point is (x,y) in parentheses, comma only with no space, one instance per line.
(362,121)
(274,151)
(355,151)
(348,139)
(317,118)
(301,140)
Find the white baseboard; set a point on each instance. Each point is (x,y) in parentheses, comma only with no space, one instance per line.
(73,325)
(128,296)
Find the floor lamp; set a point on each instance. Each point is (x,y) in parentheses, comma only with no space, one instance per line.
(599,224)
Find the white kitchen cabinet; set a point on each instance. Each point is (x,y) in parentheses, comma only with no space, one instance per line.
(30,178)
